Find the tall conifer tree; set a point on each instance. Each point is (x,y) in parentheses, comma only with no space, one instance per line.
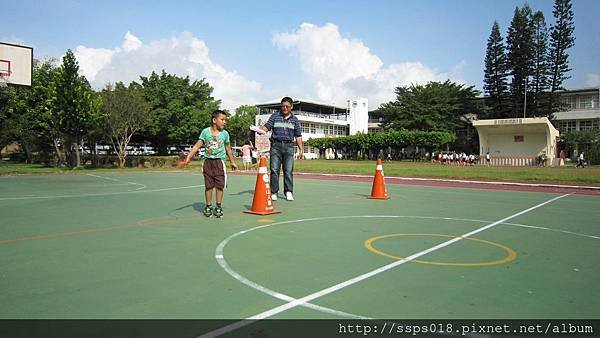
(520,56)
(561,39)
(495,82)
(539,81)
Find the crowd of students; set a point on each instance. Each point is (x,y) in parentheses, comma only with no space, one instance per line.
(452,158)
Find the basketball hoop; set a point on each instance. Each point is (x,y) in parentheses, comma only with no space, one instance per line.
(15,65)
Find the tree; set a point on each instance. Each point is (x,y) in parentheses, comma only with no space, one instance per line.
(374,144)
(495,82)
(26,113)
(520,56)
(561,39)
(126,112)
(239,124)
(539,83)
(179,109)
(435,106)
(76,104)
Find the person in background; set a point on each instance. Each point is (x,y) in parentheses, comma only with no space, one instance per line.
(247,155)
(581,161)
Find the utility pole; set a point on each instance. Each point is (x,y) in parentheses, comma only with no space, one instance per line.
(525,103)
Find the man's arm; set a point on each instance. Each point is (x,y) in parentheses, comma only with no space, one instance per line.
(230,156)
(195,148)
(298,136)
(268,125)
(300,147)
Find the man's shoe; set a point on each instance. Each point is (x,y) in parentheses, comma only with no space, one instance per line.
(289,196)
(208,211)
(218,212)
(274,197)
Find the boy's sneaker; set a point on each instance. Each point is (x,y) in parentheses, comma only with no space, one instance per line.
(289,196)
(208,211)
(274,197)
(218,212)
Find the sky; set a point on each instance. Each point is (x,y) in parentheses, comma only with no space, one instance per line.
(257,51)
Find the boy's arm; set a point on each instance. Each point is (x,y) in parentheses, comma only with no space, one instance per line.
(195,148)
(230,156)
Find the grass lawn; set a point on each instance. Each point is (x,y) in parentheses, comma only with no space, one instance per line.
(567,174)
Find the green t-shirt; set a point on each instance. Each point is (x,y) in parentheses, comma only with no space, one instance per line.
(215,145)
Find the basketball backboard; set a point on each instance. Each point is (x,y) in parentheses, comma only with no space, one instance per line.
(16,64)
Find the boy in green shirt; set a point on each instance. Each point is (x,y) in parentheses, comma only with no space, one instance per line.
(216,141)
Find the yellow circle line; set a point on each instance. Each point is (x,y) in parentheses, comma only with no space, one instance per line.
(511,254)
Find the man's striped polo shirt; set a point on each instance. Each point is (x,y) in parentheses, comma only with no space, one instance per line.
(284,129)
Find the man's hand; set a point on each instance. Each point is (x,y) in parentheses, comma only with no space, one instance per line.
(183,163)
(234,166)
(257,129)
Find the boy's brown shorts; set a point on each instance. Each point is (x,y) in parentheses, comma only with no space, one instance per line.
(214,173)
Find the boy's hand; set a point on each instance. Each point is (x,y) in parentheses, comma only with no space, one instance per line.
(234,166)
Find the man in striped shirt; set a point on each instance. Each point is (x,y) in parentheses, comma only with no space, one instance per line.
(286,131)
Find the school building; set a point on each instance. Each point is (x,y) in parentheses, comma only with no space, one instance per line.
(582,110)
(318,119)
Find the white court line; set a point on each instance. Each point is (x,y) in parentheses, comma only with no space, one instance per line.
(555,230)
(116,180)
(99,194)
(339,286)
(220,257)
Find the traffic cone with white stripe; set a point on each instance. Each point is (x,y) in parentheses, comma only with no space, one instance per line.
(262,203)
(379,190)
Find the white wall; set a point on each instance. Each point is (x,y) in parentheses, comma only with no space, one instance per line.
(359,116)
(505,145)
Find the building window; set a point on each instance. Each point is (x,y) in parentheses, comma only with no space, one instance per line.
(519,138)
(570,102)
(586,102)
(568,126)
(313,128)
(586,125)
(320,128)
(304,127)
(310,150)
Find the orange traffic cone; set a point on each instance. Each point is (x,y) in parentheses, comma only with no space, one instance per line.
(379,190)
(262,203)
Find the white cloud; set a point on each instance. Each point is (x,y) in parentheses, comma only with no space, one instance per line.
(592,80)
(92,60)
(131,42)
(183,55)
(343,68)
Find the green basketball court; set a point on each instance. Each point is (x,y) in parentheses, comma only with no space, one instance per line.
(136,246)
